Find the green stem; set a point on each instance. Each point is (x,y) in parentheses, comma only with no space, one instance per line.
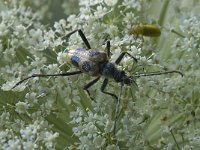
(173,31)
(175,140)
(163,12)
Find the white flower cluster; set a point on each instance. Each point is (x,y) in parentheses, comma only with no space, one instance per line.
(29,137)
(158,97)
(159,112)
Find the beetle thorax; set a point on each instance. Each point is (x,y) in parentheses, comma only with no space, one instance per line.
(109,70)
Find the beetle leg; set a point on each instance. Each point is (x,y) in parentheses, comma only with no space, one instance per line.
(105,83)
(90,84)
(82,35)
(70,33)
(108,48)
(118,60)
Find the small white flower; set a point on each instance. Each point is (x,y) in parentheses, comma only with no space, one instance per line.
(108,126)
(187,147)
(99,141)
(62,57)
(30,145)
(110,2)
(112,147)
(49,139)
(21,107)
(20,31)
(14,144)
(100,12)
(116,54)
(132,4)
(5,116)
(3,29)
(122,134)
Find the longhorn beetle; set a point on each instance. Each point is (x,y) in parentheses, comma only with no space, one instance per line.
(96,63)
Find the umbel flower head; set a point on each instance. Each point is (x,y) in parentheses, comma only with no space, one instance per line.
(157,112)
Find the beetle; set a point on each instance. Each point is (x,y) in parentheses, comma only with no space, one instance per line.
(149,30)
(96,63)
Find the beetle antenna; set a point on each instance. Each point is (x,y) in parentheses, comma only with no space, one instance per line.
(157,73)
(117,109)
(45,76)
